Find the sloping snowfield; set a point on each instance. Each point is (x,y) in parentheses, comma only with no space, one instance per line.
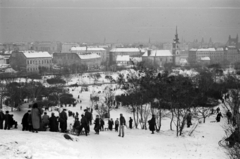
(136,144)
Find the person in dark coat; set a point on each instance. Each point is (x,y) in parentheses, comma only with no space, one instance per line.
(152,124)
(116,124)
(189,119)
(84,124)
(7,121)
(102,124)
(13,122)
(219,115)
(229,116)
(97,124)
(25,123)
(2,118)
(88,117)
(218,109)
(76,125)
(130,123)
(36,117)
(45,121)
(122,124)
(63,120)
(53,123)
(110,124)
(30,127)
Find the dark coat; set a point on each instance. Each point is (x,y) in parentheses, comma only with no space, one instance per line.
(102,122)
(110,124)
(152,124)
(88,116)
(63,116)
(97,124)
(53,123)
(25,119)
(84,121)
(122,121)
(218,118)
(76,124)
(36,114)
(2,116)
(7,119)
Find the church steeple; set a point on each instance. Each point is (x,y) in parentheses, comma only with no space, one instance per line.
(176,40)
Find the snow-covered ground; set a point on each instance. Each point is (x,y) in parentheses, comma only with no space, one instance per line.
(137,143)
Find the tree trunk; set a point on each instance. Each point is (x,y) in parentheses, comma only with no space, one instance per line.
(171,120)
(160,120)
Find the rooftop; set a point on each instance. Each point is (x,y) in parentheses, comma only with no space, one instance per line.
(88,56)
(126,50)
(34,54)
(205,58)
(158,53)
(122,58)
(87,48)
(207,49)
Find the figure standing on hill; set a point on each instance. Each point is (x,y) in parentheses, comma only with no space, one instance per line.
(63,120)
(53,123)
(45,121)
(110,124)
(122,124)
(7,121)
(102,124)
(88,117)
(229,116)
(130,123)
(116,124)
(84,124)
(2,118)
(36,117)
(189,119)
(25,123)
(152,124)
(97,124)
(219,115)
(76,125)
(218,109)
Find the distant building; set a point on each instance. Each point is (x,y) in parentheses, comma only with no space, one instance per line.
(233,50)
(96,50)
(192,56)
(204,60)
(157,57)
(215,55)
(123,60)
(30,61)
(92,61)
(132,52)
(66,47)
(49,47)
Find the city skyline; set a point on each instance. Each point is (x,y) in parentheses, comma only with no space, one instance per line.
(125,21)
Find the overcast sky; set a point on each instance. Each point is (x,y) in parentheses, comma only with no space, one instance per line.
(118,20)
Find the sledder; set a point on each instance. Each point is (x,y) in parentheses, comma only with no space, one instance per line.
(233,138)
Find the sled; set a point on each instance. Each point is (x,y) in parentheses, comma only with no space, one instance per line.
(223,143)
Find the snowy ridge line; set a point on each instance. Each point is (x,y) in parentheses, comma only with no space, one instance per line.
(194,127)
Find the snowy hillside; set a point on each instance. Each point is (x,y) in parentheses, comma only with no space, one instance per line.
(136,144)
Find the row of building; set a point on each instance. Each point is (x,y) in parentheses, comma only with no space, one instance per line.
(95,57)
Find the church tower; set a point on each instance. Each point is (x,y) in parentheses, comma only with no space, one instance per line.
(176,49)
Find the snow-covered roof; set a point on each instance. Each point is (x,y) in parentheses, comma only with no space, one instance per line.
(208,49)
(126,50)
(193,49)
(89,56)
(205,58)
(159,53)
(87,48)
(34,54)
(122,58)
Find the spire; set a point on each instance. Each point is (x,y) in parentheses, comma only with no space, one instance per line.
(176,36)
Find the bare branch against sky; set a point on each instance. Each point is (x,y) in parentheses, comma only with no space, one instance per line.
(117,20)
